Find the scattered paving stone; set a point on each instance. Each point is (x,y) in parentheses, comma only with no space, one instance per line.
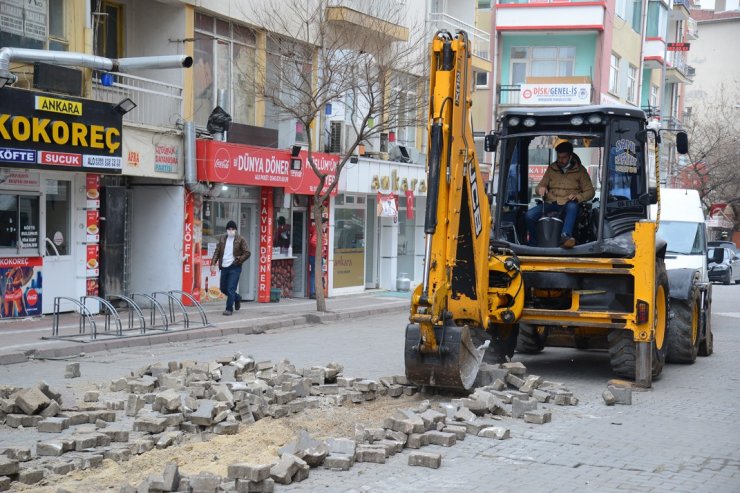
(621,395)
(72,370)
(537,417)
(608,397)
(250,472)
(495,432)
(521,405)
(424,459)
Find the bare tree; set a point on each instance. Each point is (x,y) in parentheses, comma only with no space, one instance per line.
(714,135)
(316,56)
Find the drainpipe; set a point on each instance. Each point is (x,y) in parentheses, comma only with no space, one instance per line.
(23,55)
(191,174)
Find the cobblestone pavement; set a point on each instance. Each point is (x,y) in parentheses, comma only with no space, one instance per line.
(684,435)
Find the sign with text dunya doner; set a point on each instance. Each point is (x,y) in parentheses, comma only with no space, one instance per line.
(44,131)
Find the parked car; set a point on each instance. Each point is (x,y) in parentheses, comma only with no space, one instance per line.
(724,265)
(724,244)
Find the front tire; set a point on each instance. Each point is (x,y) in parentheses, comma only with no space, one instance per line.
(530,341)
(683,338)
(622,346)
(728,278)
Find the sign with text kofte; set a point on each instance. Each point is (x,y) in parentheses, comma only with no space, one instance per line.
(45,131)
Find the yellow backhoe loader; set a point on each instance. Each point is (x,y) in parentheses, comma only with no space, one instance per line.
(487,289)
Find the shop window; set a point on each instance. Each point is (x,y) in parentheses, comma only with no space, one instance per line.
(406,241)
(282,230)
(40,24)
(349,247)
(19,224)
(225,58)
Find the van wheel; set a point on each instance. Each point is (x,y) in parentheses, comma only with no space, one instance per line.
(530,340)
(622,346)
(683,338)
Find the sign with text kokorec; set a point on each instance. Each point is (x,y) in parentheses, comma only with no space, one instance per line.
(44,131)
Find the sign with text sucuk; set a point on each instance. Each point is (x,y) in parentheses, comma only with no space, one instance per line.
(58,132)
(238,164)
(264,278)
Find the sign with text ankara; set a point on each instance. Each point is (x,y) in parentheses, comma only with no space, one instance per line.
(62,133)
(555,94)
(238,164)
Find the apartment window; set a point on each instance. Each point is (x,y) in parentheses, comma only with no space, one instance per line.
(481,80)
(542,61)
(224,69)
(484,4)
(632,84)
(38,25)
(289,77)
(631,12)
(108,35)
(614,74)
(657,20)
(653,95)
(403,89)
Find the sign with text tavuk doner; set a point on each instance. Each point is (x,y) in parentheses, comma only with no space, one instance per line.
(54,132)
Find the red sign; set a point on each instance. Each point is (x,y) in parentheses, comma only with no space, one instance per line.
(238,164)
(536,173)
(264,279)
(679,46)
(60,158)
(409,204)
(188,257)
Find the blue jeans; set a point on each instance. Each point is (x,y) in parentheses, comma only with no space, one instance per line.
(535,214)
(229,281)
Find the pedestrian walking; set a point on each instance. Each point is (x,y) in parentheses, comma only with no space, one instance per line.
(231,252)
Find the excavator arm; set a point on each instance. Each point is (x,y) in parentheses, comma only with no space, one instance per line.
(456,295)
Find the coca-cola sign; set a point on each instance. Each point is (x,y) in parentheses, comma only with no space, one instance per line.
(237,164)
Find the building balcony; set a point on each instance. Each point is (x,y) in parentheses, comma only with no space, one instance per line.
(692,29)
(368,19)
(681,10)
(158,104)
(537,15)
(654,52)
(479,39)
(677,70)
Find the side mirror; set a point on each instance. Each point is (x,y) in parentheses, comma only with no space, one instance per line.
(490,142)
(682,143)
(649,198)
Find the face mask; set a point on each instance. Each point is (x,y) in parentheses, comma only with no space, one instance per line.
(231,233)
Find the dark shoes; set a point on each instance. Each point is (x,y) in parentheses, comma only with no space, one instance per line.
(237,304)
(227,312)
(313,297)
(567,241)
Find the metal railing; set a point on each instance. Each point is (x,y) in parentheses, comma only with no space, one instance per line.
(157,103)
(508,2)
(678,60)
(478,38)
(508,94)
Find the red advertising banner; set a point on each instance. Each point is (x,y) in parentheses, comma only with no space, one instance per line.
(92,260)
(679,46)
(20,286)
(409,204)
(239,164)
(188,257)
(92,191)
(264,279)
(91,223)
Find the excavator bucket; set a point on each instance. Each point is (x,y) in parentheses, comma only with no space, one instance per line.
(454,366)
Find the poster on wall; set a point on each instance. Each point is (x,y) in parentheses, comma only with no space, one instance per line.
(92,234)
(20,287)
(264,278)
(388,206)
(191,249)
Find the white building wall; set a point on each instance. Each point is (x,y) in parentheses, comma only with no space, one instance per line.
(709,55)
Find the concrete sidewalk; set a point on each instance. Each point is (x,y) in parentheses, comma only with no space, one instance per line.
(27,339)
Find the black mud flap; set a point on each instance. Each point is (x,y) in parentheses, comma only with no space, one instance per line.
(454,366)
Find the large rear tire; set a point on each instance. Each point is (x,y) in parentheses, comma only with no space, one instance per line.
(683,338)
(623,348)
(706,345)
(529,341)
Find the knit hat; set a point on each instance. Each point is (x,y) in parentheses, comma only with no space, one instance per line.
(231,225)
(564,147)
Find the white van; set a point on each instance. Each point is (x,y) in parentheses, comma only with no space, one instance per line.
(682,228)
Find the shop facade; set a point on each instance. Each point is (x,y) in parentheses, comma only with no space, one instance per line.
(268,193)
(381,207)
(54,151)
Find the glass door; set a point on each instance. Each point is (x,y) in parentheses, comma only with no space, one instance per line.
(58,245)
(248,229)
(371,261)
(298,238)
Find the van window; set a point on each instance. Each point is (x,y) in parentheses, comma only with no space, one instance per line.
(682,237)
(720,252)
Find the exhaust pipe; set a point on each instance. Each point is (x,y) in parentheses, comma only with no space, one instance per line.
(24,55)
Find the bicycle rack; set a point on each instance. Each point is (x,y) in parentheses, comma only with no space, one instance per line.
(108,311)
(196,304)
(85,315)
(133,310)
(154,307)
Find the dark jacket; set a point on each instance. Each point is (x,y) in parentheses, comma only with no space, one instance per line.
(241,251)
(574,181)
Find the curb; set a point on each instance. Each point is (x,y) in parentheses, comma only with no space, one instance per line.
(72,350)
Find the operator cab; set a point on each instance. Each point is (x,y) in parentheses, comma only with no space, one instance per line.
(609,142)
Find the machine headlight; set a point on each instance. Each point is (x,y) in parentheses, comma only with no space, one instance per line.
(576,120)
(514,121)
(594,119)
(529,122)
(719,267)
